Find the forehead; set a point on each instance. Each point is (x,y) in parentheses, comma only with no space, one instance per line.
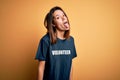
(58,12)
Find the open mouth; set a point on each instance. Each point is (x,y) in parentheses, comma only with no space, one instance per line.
(66,24)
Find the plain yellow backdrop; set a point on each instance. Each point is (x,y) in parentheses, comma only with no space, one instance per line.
(95,26)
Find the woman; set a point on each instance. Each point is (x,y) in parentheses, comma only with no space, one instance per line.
(56,48)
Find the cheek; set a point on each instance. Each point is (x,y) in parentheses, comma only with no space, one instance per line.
(58,22)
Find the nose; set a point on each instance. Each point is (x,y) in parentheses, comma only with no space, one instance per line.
(64,18)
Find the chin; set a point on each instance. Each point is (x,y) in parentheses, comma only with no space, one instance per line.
(67,29)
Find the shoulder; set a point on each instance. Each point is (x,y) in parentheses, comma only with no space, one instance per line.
(45,38)
(71,38)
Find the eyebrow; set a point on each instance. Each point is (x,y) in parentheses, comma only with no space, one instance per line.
(55,16)
(59,15)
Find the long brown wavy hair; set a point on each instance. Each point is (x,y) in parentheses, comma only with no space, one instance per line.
(48,23)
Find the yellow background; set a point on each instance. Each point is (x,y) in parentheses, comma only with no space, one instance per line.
(95,25)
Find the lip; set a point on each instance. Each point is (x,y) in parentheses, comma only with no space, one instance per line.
(65,22)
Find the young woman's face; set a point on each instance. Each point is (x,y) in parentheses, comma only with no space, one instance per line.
(60,21)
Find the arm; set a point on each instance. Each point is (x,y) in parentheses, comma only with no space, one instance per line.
(41,68)
(71,73)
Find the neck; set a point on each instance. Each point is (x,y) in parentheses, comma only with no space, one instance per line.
(60,34)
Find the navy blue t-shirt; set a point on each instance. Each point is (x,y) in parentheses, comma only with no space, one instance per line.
(58,57)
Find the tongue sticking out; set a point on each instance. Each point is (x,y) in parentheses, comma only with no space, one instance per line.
(66,25)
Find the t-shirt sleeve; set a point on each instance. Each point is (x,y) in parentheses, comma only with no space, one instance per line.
(42,50)
(74,54)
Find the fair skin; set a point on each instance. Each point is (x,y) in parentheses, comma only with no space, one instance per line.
(41,67)
(61,25)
